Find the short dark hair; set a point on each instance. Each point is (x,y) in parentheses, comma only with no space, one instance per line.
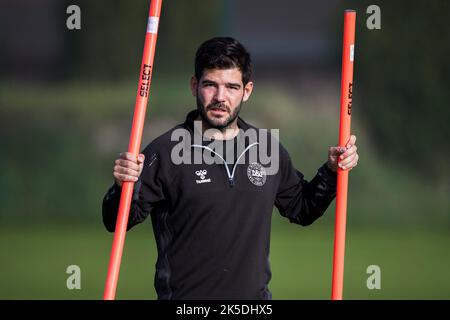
(223,53)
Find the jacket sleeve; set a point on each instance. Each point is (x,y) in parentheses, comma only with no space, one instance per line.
(300,201)
(148,193)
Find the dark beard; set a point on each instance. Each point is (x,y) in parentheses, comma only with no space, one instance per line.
(202,111)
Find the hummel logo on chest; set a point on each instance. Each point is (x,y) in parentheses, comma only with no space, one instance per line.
(202,175)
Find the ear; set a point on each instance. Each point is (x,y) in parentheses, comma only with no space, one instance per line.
(248,88)
(194,86)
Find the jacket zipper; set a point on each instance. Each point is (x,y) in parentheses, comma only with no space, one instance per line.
(230,175)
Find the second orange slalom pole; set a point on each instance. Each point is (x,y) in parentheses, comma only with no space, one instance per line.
(344,136)
(145,76)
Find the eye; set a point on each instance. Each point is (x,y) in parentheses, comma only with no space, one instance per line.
(208,84)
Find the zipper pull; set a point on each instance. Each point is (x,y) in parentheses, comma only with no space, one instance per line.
(231,182)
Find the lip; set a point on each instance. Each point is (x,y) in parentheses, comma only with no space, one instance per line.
(217,111)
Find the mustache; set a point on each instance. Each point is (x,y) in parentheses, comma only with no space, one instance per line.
(218,105)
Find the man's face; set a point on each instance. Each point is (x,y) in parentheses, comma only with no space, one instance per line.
(219,94)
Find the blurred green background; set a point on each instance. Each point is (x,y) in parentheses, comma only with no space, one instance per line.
(66,103)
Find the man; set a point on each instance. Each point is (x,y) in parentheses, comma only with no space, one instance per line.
(211,220)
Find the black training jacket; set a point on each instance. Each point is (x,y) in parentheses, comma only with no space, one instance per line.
(212,221)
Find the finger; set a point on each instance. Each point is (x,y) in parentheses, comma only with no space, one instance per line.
(347,161)
(350,151)
(126,171)
(127,164)
(336,151)
(351,141)
(128,156)
(141,158)
(351,164)
(124,177)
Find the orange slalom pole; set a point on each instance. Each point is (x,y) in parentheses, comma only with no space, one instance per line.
(133,147)
(344,136)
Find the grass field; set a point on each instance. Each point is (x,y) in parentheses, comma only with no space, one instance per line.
(414,263)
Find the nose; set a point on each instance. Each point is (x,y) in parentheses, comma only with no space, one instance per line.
(220,94)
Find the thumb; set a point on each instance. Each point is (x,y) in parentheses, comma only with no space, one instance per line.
(141,158)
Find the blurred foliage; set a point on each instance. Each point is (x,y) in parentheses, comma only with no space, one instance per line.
(402,78)
(110,44)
